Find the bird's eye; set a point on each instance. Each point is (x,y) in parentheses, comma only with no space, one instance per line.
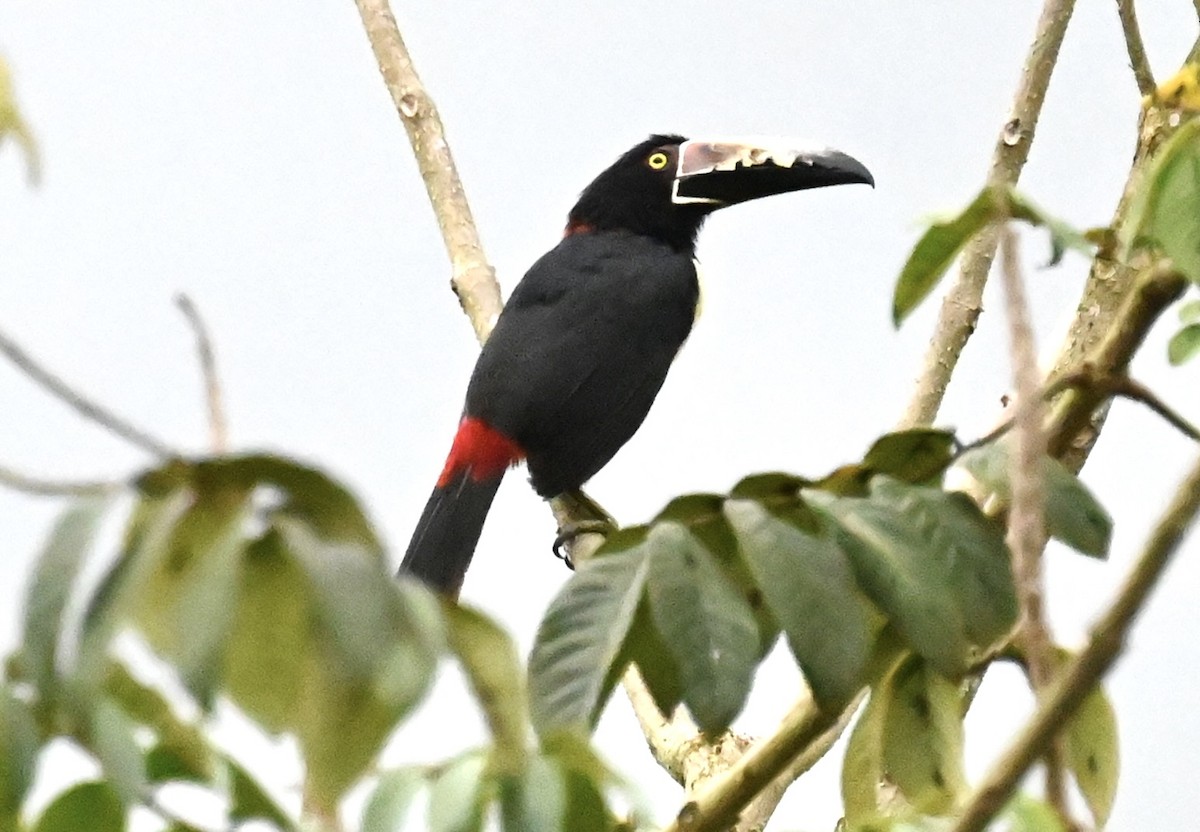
(657,161)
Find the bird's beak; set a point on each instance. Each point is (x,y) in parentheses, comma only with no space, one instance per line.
(720,173)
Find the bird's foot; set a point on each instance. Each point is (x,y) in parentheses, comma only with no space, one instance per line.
(572,531)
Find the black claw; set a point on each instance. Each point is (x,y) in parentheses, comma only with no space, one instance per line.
(574,530)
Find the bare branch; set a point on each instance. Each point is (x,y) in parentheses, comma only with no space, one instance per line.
(473,279)
(961,306)
(1026,521)
(41,487)
(87,408)
(1137,50)
(1085,671)
(217,424)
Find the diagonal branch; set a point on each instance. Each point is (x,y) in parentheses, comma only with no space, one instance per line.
(961,307)
(218,426)
(1090,666)
(42,487)
(86,408)
(1138,61)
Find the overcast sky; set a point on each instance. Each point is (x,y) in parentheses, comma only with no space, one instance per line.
(247,153)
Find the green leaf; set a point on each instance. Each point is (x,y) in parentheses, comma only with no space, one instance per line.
(490,660)
(810,588)
(765,487)
(862,767)
(1062,235)
(923,738)
(457,798)
(19,744)
(1024,814)
(147,545)
(165,764)
(645,647)
(581,635)
(1164,211)
(935,251)
(249,801)
(933,563)
(50,585)
(112,741)
(1189,312)
(916,456)
(537,800)
(92,806)
(708,627)
(1092,753)
(13,124)
(1073,514)
(272,629)
(1184,345)
(388,805)
(586,811)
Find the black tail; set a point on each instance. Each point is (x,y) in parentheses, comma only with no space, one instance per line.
(442,545)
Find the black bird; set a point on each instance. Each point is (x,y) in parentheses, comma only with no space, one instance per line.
(585,341)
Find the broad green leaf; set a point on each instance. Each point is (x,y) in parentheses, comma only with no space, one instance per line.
(1184,345)
(707,626)
(388,805)
(935,251)
(489,659)
(645,647)
(270,639)
(1073,515)
(810,588)
(458,796)
(112,741)
(586,811)
(933,563)
(249,801)
(535,801)
(916,456)
(92,806)
(581,635)
(50,585)
(1092,753)
(1164,211)
(19,743)
(1024,814)
(146,546)
(923,738)
(147,706)
(1062,235)
(862,767)
(766,487)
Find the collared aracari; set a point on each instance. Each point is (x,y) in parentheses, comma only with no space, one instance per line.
(585,341)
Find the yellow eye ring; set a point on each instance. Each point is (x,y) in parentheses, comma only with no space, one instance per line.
(657,161)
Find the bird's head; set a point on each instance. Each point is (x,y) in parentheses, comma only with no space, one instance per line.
(667,185)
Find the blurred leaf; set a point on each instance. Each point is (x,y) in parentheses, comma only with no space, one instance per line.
(1189,312)
(489,659)
(143,704)
(933,563)
(923,738)
(862,767)
(50,586)
(581,634)
(13,124)
(249,801)
(1024,814)
(165,764)
(388,805)
(935,251)
(810,589)
(458,797)
(764,487)
(707,626)
(536,801)
(91,806)
(586,811)
(269,641)
(1062,235)
(112,741)
(1073,515)
(1184,345)
(147,539)
(1092,753)
(19,745)
(915,456)
(1163,212)
(645,646)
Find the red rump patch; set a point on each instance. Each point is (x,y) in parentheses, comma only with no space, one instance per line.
(481,449)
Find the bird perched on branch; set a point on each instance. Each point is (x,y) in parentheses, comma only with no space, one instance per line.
(585,341)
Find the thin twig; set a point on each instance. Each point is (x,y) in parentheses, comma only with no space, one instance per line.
(1089,667)
(1026,523)
(42,487)
(1138,61)
(87,408)
(473,279)
(961,307)
(217,424)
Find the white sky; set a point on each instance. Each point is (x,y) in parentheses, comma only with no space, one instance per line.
(248,154)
